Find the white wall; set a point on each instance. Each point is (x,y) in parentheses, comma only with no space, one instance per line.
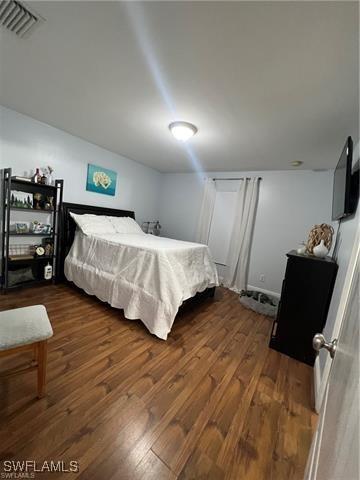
(26,143)
(290,203)
(347,234)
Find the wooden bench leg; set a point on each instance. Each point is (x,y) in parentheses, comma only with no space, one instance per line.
(41,358)
(34,360)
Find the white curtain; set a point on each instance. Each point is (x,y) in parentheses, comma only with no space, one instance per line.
(206,211)
(240,243)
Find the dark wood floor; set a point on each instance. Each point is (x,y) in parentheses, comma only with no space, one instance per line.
(211,402)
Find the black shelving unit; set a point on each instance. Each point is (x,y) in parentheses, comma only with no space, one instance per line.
(14,234)
(30,260)
(35,263)
(49,210)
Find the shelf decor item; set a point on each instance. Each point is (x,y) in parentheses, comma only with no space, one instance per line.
(40,251)
(48,245)
(323,232)
(49,203)
(320,250)
(38,201)
(101,180)
(301,250)
(40,228)
(49,175)
(48,272)
(37,176)
(21,251)
(20,199)
(49,249)
(21,227)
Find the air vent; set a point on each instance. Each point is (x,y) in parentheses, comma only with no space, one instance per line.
(18,18)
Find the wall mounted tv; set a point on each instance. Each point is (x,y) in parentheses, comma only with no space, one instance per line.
(343,204)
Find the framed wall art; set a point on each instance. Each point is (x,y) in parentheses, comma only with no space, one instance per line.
(101,180)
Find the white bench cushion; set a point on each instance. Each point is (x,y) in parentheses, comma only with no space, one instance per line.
(22,326)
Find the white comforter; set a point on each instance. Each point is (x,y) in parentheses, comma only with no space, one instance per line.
(148,277)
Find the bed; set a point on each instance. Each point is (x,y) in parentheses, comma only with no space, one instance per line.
(148,277)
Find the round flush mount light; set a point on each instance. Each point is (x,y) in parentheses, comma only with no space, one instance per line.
(296,163)
(182,130)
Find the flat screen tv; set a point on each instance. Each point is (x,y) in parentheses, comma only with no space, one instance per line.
(341,206)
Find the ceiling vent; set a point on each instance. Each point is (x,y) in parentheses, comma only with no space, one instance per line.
(18,18)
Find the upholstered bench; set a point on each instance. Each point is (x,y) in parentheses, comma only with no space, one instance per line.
(26,329)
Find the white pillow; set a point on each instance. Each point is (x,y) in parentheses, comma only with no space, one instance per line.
(93,224)
(125,225)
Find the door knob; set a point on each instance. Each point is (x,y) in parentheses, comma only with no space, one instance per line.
(319,342)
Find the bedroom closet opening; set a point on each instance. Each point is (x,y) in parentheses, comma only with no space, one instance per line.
(222,223)
(226,225)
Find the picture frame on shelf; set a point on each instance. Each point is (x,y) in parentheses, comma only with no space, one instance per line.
(38,228)
(48,244)
(20,199)
(22,227)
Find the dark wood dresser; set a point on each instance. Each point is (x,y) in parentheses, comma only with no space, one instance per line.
(305,298)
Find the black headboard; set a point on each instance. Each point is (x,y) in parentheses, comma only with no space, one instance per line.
(68,226)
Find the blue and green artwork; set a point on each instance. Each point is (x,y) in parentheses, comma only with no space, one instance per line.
(101,180)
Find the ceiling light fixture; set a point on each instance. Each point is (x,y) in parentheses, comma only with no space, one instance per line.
(296,163)
(182,130)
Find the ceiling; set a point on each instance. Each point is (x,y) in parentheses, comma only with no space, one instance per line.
(266,83)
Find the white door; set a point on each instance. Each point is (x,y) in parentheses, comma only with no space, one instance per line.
(335,450)
(221,226)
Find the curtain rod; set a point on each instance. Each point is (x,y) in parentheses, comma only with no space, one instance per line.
(240,178)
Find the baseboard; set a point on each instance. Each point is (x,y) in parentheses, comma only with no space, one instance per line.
(262,290)
(317,385)
(256,289)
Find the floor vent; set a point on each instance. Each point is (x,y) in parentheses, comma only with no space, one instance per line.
(18,18)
